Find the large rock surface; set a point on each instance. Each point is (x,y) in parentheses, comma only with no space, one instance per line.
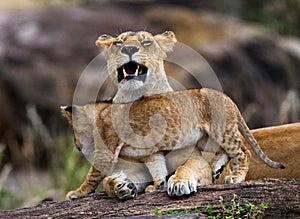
(43,53)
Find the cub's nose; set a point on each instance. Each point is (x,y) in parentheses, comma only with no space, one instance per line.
(129,50)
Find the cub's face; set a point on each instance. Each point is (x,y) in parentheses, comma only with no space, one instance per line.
(135,59)
(82,128)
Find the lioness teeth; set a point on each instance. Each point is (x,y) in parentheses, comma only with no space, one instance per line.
(124,72)
(131,70)
(136,73)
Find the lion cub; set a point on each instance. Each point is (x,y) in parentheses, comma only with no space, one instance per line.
(147,129)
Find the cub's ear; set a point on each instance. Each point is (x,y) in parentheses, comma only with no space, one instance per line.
(104,41)
(67,112)
(166,40)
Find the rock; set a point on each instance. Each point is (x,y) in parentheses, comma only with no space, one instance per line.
(281,195)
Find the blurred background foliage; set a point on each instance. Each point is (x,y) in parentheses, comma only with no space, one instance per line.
(280,16)
(253,46)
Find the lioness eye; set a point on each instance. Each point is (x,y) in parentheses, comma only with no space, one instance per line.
(118,43)
(146,42)
(105,36)
(166,33)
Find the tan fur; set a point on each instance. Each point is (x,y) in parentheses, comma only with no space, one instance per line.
(152,57)
(279,143)
(166,122)
(148,51)
(272,141)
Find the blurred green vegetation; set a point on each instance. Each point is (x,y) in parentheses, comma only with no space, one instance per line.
(282,16)
(71,168)
(66,173)
(7,199)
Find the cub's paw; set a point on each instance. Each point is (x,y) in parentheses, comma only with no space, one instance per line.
(150,188)
(232,179)
(75,194)
(117,185)
(72,195)
(159,185)
(180,187)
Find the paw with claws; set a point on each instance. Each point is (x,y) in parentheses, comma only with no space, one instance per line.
(181,187)
(231,179)
(195,172)
(117,185)
(72,195)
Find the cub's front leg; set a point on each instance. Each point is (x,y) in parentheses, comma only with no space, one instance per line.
(89,185)
(157,167)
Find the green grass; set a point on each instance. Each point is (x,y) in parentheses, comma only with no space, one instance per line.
(67,173)
(235,211)
(7,199)
(71,169)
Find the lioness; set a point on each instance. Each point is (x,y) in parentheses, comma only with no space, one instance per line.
(135,63)
(150,127)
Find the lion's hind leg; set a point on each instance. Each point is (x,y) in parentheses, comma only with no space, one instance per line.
(239,167)
(239,155)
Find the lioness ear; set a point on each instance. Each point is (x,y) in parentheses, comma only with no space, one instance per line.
(166,40)
(104,41)
(67,112)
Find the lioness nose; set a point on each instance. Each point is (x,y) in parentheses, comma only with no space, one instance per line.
(129,50)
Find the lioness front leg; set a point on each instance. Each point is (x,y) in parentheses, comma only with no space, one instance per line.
(89,185)
(194,172)
(157,167)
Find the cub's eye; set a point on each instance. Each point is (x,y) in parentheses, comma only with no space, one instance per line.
(118,42)
(146,42)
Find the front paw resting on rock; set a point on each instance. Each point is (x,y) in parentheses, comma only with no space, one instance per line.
(231,179)
(76,194)
(117,185)
(179,186)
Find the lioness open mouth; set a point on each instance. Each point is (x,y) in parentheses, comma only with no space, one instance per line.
(132,70)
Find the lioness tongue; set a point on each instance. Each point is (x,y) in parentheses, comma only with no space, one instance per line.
(129,71)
